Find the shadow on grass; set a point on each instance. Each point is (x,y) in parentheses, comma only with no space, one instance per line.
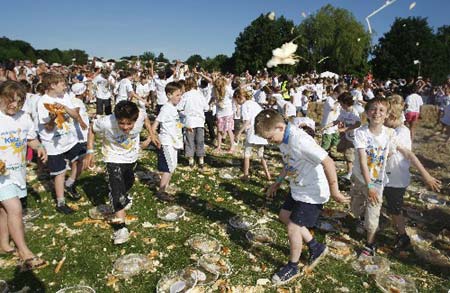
(28,279)
(96,188)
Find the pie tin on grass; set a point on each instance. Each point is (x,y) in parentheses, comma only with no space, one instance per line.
(340,247)
(178,281)
(130,265)
(433,199)
(171,213)
(204,277)
(261,236)
(77,289)
(204,243)
(422,244)
(371,265)
(242,222)
(215,264)
(390,283)
(101,212)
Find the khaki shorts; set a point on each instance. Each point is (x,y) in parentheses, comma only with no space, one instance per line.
(346,147)
(360,205)
(248,150)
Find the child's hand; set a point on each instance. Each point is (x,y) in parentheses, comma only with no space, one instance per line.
(145,143)
(339,197)
(82,124)
(88,161)
(433,183)
(190,130)
(42,154)
(272,191)
(373,196)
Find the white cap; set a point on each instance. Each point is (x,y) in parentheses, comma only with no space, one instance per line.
(78,88)
(40,61)
(55,65)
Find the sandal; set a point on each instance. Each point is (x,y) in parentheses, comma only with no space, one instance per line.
(34,263)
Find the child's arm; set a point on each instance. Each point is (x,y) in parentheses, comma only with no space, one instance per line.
(372,192)
(149,139)
(272,190)
(330,172)
(89,158)
(429,180)
(244,126)
(154,137)
(37,146)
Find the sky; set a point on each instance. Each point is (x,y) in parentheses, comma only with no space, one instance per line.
(178,28)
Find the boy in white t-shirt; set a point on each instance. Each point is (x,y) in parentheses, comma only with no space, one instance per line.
(120,148)
(170,138)
(313,178)
(331,111)
(17,131)
(125,90)
(103,93)
(57,115)
(249,110)
(414,104)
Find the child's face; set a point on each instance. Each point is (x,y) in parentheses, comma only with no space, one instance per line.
(11,108)
(276,134)
(59,88)
(377,113)
(175,97)
(126,125)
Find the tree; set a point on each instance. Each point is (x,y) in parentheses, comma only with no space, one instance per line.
(441,64)
(194,60)
(147,56)
(332,39)
(161,58)
(255,44)
(408,39)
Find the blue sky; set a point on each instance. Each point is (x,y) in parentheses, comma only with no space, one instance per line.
(178,28)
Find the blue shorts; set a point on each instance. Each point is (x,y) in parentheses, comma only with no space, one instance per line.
(162,162)
(302,213)
(11,191)
(57,163)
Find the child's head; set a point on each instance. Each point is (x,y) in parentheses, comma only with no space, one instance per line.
(377,110)
(126,113)
(190,84)
(396,106)
(345,100)
(12,97)
(270,125)
(241,96)
(54,83)
(219,88)
(173,92)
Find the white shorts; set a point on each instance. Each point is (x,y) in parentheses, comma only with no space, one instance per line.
(248,150)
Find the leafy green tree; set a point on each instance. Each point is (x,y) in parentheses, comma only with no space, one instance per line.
(332,39)
(441,63)
(194,60)
(255,44)
(161,58)
(408,39)
(147,56)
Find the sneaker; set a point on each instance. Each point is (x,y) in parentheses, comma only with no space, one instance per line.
(164,196)
(121,236)
(201,161)
(360,227)
(403,242)
(72,191)
(64,209)
(129,204)
(368,250)
(285,274)
(191,162)
(316,255)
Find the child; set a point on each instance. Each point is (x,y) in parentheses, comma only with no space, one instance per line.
(17,129)
(347,121)
(312,178)
(125,90)
(56,115)
(194,106)
(373,143)
(170,138)
(120,148)
(103,93)
(397,170)
(143,92)
(249,111)
(414,104)
(225,123)
(331,111)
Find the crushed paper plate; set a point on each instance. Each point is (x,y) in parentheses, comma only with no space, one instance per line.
(171,213)
(261,236)
(77,289)
(174,282)
(424,246)
(242,222)
(215,263)
(432,198)
(412,5)
(271,15)
(204,277)
(31,214)
(101,212)
(327,226)
(371,265)
(203,243)
(340,247)
(131,264)
(390,283)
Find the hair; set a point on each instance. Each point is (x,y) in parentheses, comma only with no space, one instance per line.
(10,90)
(339,89)
(219,88)
(241,95)
(171,87)
(51,78)
(126,110)
(376,100)
(266,121)
(40,88)
(309,130)
(190,84)
(346,98)
(396,106)
(203,83)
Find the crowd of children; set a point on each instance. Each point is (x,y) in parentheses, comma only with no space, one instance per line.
(53,121)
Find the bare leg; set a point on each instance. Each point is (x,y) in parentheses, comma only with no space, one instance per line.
(4,231)
(246,167)
(231,134)
(164,182)
(295,241)
(399,222)
(266,169)
(284,216)
(59,185)
(219,141)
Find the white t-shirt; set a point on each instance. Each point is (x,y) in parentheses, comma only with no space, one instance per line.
(300,121)
(413,103)
(194,106)
(260,97)
(446,117)
(160,85)
(330,113)
(15,132)
(81,134)
(103,92)
(303,158)
(58,140)
(397,168)
(349,118)
(296,98)
(225,108)
(286,108)
(124,88)
(358,98)
(171,128)
(249,110)
(377,149)
(30,107)
(117,146)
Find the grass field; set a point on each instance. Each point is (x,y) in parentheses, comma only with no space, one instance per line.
(210,202)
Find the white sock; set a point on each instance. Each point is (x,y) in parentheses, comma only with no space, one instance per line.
(69,182)
(60,201)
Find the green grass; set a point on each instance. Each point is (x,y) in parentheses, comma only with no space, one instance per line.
(90,254)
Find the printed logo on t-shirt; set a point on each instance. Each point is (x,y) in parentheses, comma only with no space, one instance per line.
(375,161)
